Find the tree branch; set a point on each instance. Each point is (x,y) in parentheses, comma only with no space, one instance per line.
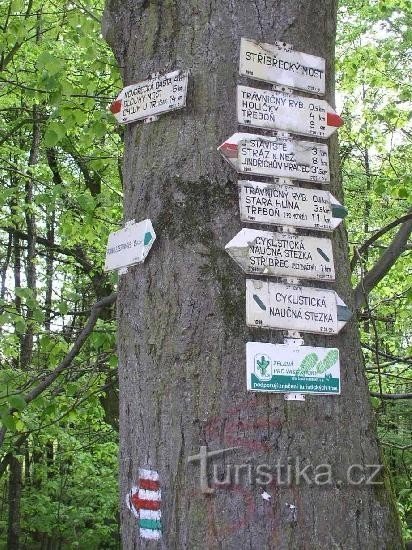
(376,236)
(76,253)
(384,264)
(13,131)
(87,329)
(391,395)
(400,447)
(67,361)
(388,355)
(91,178)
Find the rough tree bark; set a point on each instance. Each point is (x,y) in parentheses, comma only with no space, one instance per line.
(181,315)
(15,481)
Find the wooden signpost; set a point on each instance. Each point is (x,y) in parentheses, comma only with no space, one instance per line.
(150,98)
(277,156)
(294,307)
(283,254)
(279,64)
(129,246)
(272,110)
(285,204)
(282,368)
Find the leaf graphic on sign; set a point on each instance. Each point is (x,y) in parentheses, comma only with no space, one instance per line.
(330,359)
(262,365)
(308,363)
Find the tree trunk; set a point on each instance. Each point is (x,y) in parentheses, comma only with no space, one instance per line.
(13,529)
(26,350)
(182,330)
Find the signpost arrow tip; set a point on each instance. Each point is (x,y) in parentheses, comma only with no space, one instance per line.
(339,211)
(333,119)
(230,150)
(116,106)
(344,313)
(147,238)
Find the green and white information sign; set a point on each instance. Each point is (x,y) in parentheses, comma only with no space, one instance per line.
(284,368)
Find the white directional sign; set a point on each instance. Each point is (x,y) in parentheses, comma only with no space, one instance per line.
(276,110)
(283,254)
(277,156)
(277,64)
(292,307)
(280,204)
(151,97)
(130,245)
(282,368)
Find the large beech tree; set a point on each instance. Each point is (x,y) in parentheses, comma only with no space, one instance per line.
(182,330)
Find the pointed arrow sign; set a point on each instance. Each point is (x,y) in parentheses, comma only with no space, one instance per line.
(277,156)
(290,113)
(277,64)
(151,97)
(130,245)
(280,204)
(290,307)
(283,254)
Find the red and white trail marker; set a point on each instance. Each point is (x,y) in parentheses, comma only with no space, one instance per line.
(272,110)
(144,501)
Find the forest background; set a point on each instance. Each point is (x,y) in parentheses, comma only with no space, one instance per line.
(60,197)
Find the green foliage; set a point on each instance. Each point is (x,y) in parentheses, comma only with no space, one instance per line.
(60,77)
(374,62)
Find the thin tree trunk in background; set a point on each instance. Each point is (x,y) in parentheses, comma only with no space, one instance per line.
(5,267)
(27,341)
(27,463)
(50,222)
(17,283)
(51,156)
(13,530)
(182,331)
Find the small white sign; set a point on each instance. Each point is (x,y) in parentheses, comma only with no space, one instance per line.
(151,97)
(293,307)
(282,254)
(282,204)
(130,245)
(277,64)
(282,368)
(277,156)
(276,110)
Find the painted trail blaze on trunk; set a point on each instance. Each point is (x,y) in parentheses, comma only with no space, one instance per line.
(181,313)
(144,501)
